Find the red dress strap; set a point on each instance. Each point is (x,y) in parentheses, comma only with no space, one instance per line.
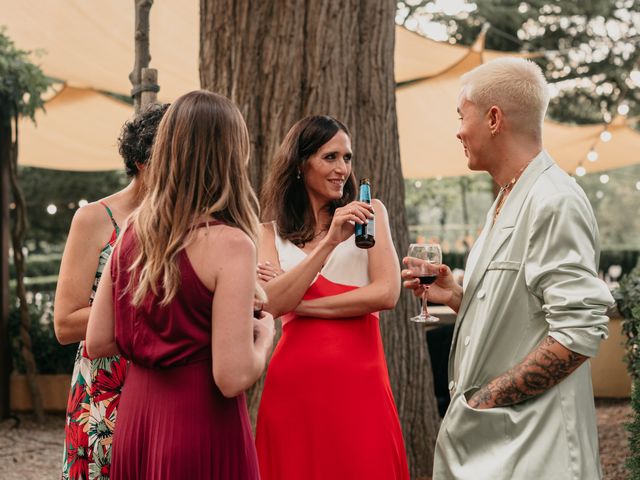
(209,223)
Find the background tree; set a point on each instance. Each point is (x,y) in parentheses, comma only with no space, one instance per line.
(591,47)
(21,87)
(281,60)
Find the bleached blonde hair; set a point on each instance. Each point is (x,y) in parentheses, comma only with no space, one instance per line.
(515,85)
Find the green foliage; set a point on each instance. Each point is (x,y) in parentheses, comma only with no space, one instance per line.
(448,209)
(590,47)
(628,300)
(50,356)
(633,462)
(21,82)
(39,266)
(64,190)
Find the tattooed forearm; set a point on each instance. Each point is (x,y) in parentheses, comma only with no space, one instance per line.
(543,368)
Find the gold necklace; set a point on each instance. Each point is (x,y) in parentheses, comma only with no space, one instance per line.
(507,187)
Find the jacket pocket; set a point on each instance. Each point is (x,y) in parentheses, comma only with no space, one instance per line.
(505,265)
(475,435)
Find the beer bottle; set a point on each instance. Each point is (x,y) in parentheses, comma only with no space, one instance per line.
(365,234)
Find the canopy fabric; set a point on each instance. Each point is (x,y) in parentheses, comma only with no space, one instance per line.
(89,45)
(428,122)
(78,131)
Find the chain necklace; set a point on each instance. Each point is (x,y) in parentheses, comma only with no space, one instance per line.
(506,188)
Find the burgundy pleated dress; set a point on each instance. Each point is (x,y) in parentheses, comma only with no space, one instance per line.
(173,421)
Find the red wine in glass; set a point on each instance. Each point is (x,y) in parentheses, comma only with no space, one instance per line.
(427,279)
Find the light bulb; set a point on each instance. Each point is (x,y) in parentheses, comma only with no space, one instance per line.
(580,171)
(605,136)
(604,178)
(592,156)
(52,209)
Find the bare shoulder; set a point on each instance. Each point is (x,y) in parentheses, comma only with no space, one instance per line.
(91,216)
(92,224)
(378,206)
(231,238)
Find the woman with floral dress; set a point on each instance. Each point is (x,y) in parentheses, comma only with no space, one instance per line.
(96,384)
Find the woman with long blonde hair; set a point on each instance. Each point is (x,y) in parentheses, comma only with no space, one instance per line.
(178,303)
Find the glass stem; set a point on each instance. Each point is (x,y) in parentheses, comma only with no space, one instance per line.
(424,303)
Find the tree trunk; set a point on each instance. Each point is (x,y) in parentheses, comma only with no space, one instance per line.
(5,344)
(17,237)
(280,60)
(142,56)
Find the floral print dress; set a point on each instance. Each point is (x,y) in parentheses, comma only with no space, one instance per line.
(93,401)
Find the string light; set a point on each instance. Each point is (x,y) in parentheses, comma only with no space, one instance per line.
(82,202)
(52,209)
(605,136)
(580,171)
(604,178)
(592,156)
(623,108)
(418,184)
(599,195)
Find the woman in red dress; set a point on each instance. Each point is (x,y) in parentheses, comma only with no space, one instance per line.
(327,410)
(177,303)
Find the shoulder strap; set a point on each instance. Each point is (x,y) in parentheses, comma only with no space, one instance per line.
(209,223)
(113,220)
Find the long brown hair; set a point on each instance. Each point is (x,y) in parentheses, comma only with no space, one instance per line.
(197,168)
(284,197)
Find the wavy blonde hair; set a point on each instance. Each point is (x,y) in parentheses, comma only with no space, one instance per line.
(197,168)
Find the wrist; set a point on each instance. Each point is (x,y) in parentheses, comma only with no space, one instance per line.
(328,243)
(456,299)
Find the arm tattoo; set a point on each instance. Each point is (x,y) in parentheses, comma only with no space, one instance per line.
(544,367)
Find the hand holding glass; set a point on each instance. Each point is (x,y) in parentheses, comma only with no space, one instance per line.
(427,271)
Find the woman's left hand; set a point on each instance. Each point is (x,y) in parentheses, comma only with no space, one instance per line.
(267,271)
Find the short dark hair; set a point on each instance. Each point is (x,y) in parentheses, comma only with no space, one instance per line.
(137,135)
(284,195)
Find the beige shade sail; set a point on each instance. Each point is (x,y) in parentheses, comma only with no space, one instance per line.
(428,123)
(78,131)
(90,45)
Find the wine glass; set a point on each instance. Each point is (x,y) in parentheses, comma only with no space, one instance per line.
(427,271)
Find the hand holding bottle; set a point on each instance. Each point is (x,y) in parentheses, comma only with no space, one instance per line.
(344,218)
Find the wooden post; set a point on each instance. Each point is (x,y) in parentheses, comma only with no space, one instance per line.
(5,347)
(149,86)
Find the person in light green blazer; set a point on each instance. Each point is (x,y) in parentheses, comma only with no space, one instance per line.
(531,310)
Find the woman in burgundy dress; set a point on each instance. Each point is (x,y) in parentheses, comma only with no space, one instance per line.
(92,408)
(178,304)
(327,411)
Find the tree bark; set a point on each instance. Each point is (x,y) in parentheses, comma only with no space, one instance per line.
(5,344)
(280,60)
(142,56)
(17,237)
